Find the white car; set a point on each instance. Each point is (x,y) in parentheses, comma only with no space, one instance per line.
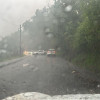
(35,53)
(41,52)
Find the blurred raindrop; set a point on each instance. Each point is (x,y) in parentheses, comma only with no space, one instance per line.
(50,35)
(77,12)
(55,21)
(64,3)
(47,30)
(40,47)
(58,48)
(5,41)
(68,8)
(45,14)
(31,20)
(98,85)
(87,3)
(3,51)
(63,75)
(6,45)
(95,22)
(0,39)
(26,33)
(62,20)
(74,90)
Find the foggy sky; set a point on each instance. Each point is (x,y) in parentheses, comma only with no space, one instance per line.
(15,12)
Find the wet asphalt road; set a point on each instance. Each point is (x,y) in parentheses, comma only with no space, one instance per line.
(48,75)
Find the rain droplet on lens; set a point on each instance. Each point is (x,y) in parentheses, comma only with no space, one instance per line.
(68,8)
(77,12)
(0,39)
(31,20)
(39,47)
(58,48)
(55,21)
(50,35)
(47,30)
(62,20)
(87,3)
(45,14)
(6,45)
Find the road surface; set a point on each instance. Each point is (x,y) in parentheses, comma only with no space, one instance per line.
(48,75)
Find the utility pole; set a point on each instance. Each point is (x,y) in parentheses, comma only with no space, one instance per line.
(20,42)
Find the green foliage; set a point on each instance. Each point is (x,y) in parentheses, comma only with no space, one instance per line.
(88,32)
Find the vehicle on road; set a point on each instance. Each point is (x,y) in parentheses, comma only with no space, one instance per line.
(51,52)
(35,53)
(28,53)
(41,52)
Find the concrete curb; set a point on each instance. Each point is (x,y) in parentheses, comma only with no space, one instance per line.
(2,64)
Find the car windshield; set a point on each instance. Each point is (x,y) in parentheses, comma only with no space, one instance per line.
(50,47)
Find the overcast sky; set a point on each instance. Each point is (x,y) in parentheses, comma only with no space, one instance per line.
(15,12)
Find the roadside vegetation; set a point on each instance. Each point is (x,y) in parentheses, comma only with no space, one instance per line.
(7,58)
(72,27)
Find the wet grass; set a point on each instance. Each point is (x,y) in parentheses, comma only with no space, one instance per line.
(90,62)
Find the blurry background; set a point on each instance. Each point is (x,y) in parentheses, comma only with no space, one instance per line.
(15,12)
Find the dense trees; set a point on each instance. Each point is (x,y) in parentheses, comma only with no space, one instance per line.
(88,31)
